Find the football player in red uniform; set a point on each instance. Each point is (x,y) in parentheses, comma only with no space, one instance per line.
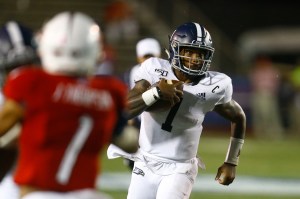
(17,49)
(68,115)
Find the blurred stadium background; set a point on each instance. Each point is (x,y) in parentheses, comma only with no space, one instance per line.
(241,32)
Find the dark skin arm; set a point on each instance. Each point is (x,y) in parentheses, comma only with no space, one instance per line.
(234,113)
(11,113)
(136,103)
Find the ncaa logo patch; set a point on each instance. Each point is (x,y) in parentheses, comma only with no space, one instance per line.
(138,171)
(162,72)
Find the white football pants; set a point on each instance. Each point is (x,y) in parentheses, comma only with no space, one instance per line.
(146,184)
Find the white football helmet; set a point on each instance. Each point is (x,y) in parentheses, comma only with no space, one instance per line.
(70,44)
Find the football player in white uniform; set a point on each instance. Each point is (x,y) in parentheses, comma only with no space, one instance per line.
(166,165)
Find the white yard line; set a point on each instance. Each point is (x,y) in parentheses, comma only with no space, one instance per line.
(206,183)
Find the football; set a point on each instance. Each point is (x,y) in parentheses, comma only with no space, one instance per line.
(163,105)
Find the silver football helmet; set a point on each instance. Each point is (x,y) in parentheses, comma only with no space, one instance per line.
(190,35)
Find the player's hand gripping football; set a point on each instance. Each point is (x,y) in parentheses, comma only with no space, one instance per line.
(171,91)
(226,174)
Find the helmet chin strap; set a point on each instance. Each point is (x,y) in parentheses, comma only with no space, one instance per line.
(186,78)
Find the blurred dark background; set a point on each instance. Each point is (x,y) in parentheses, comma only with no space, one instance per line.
(227,21)
(235,17)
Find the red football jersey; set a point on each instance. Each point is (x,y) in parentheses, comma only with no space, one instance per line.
(67,122)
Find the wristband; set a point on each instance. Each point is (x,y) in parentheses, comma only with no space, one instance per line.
(234,149)
(158,92)
(151,96)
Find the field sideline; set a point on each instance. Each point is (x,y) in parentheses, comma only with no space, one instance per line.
(205,183)
(268,169)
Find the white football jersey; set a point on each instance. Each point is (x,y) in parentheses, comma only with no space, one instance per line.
(132,74)
(175,134)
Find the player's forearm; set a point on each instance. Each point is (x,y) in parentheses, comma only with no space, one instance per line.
(9,139)
(139,102)
(5,125)
(238,129)
(135,107)
(238,126)
(10,114)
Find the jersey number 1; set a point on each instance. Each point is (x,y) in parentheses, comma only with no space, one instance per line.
(73,149)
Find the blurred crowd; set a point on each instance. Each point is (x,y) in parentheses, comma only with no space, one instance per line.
(275,92)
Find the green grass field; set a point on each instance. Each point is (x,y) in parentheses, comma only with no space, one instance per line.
(195,195)
(259,158)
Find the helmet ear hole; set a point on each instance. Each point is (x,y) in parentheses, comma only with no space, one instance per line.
(190,35)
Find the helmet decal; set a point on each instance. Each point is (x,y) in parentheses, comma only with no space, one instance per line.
(199,31)
(15,34)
